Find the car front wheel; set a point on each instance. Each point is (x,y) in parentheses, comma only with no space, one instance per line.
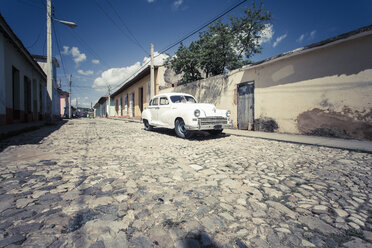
(148,127)
(181,130)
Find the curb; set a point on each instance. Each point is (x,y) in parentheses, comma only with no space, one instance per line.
(355,148)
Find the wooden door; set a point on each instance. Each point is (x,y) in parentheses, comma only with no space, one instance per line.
(246,105)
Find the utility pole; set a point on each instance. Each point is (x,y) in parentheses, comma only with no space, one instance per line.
(49,73)
(49,61)
(109,100)
(69,100)
(152,74)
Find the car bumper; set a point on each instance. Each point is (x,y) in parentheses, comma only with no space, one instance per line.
(210,124)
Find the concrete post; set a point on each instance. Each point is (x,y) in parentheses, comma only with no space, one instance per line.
(69,100)
(49,61)
(152,74)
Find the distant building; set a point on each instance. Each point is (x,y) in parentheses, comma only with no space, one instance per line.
(64,103)
(133,96)
(101,107)
(22,81)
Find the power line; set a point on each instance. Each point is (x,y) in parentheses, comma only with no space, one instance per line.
(120,29)
(59,50)
(202,27)
(187,36)
(85,44)
(126,27)
(37,38)
(29,4)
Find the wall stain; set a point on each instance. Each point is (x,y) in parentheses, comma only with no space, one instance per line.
(346,124)
(265,124)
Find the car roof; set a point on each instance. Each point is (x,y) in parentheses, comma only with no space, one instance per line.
(173,94)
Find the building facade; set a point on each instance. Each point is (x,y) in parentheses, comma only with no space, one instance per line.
(130,99)
(42,61)
(22,81)
(321,89)
(64,103)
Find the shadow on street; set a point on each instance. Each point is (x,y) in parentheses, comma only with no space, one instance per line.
(196,136)
(31,137)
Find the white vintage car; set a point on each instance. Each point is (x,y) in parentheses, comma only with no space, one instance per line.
(181,112)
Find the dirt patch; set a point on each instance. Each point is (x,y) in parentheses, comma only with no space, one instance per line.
(334,124)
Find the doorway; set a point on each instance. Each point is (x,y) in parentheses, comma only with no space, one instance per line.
(141,98)
(246,105)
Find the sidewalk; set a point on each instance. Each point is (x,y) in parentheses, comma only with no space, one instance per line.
(347,144)
(354,145)
(14,129)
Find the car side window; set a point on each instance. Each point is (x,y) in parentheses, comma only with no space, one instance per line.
(155,101)
(150,103)
(164,101)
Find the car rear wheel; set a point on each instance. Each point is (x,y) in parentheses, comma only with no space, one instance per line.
(215,132)
(180,129)
(148,127)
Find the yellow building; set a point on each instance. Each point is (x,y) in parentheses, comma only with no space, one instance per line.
(131,98)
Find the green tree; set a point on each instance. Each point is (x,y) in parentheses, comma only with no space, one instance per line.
(216,51)
(248,29)
(223,46)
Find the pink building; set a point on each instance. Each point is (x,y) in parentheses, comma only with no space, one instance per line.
(64,99)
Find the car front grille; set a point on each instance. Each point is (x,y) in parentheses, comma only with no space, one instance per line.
(214,120)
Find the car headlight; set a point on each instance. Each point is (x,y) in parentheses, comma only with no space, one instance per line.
(228,113)
(197,112)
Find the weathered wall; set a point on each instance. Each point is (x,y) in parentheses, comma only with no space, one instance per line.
(2,82)
(323,91)
(142,83)
(135,88)
(12,57)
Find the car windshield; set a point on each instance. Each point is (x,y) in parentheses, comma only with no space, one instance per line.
(182,99)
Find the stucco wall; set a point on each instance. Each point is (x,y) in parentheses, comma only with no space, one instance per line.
(323,91)
(145,84)
(12,57)
(2,82)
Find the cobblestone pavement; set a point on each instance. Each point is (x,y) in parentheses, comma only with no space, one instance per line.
(106,183)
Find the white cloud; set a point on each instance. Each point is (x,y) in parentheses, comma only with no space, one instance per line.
(95,61)
(65,50)
(81,102)
(74,51)
(279,39)
(301,38)
(85,73)
(150,1)
(266,34)
(177,3)
(312,34)
(116,76)
(78,57)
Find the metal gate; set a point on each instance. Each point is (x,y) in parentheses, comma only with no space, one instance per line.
(246,105)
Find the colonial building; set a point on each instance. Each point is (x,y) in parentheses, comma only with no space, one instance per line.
(64,103)
(131,98)
(320,89)
(22,81)
(42,61)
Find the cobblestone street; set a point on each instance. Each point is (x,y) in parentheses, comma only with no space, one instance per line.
(109,183)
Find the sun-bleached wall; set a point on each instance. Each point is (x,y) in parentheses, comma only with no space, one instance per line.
(325,90)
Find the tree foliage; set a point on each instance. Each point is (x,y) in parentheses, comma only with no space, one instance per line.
(224,46)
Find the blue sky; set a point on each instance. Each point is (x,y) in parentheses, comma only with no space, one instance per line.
(101,50)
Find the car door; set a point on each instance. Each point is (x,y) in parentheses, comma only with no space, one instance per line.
(163,111)
(154,108)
